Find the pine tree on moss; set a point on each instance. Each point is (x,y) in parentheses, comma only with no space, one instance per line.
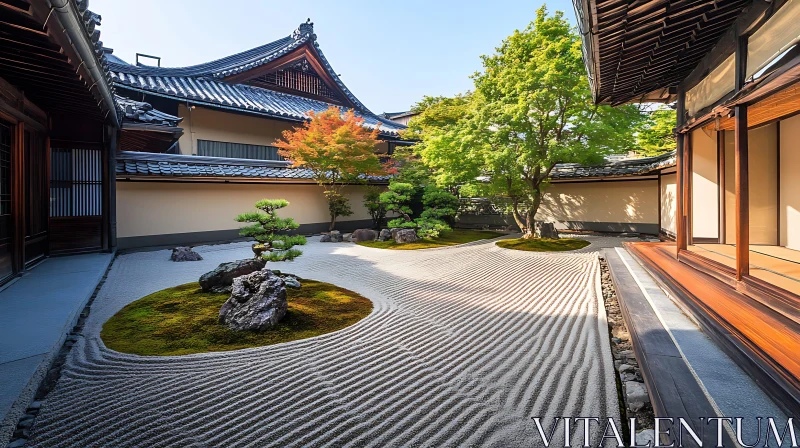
(266,228)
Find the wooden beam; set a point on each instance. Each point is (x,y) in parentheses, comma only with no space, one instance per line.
(14,103)
(742,194)
(778,181)
(740,64)
(680,222)
(753,16)
(687,191)
(306,52)
(721,184)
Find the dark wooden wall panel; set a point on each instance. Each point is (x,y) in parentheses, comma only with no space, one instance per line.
(76,234)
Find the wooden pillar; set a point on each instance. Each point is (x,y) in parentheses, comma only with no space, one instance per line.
(688,162)
(742,193)
(680,221)
(721,183)
(18,196)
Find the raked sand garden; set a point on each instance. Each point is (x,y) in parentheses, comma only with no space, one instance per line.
(463,345)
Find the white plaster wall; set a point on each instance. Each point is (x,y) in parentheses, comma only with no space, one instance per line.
(208,124)
(763,160)
(705,189)
(669,196)
(790,183)
(608,201)
(159,208)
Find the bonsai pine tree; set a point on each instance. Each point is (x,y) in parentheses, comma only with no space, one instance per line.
(266,229)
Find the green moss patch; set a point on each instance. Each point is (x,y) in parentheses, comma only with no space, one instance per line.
(448,238)
(183,320)
(544,244)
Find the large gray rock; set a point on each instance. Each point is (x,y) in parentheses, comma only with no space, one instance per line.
(385,235)
(257,302)
(221,278)
(334,236)
(184,254)
(546,230)
(405,236)
(364,235)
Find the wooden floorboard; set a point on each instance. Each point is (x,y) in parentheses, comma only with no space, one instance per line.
(764,342)
(673,389)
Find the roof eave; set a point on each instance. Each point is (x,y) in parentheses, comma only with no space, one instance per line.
(71,20)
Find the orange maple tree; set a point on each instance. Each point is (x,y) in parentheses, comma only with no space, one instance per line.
(338,150)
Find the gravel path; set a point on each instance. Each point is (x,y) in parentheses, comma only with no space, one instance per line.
(464,346)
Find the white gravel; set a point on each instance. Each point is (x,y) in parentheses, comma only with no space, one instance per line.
(464,346)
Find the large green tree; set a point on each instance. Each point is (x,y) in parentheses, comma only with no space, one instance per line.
(657,133)
(531,109)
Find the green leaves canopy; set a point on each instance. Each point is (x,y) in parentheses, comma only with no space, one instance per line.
(657,135)
(530,110)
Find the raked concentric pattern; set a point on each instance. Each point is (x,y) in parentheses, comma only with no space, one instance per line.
(464,346)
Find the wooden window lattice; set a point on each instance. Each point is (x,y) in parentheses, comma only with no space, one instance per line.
(76,182)
(301,81)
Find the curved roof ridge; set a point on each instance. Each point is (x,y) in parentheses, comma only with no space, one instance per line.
(212,68)
(205,83)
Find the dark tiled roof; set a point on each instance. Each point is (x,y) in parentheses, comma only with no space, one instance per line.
(203,83)
(140,112)
(173,165)
(631,167)
(393,115)
(639,51)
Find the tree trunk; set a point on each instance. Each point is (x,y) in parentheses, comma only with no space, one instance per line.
(333,223)
(530,215)
(518,217)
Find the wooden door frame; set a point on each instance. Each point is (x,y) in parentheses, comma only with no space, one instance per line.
(18,196)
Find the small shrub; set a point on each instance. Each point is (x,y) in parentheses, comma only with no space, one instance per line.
(338,205)
(266,228)
(430,227)
(439,204)
(376,208)
(398,200)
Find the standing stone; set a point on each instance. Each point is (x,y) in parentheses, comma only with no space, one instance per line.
(336,236)
(646,437)
(385,235)
(405,236)
(184,254)
(546,230)
(364,235)
(635,391)
(221,278)
(257,302)
(291,282)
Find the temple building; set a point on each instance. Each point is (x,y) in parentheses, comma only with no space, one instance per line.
(58,131)
(238,106)
(197,143)
(732,68)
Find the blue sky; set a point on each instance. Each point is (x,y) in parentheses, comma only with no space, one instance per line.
(389,53)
